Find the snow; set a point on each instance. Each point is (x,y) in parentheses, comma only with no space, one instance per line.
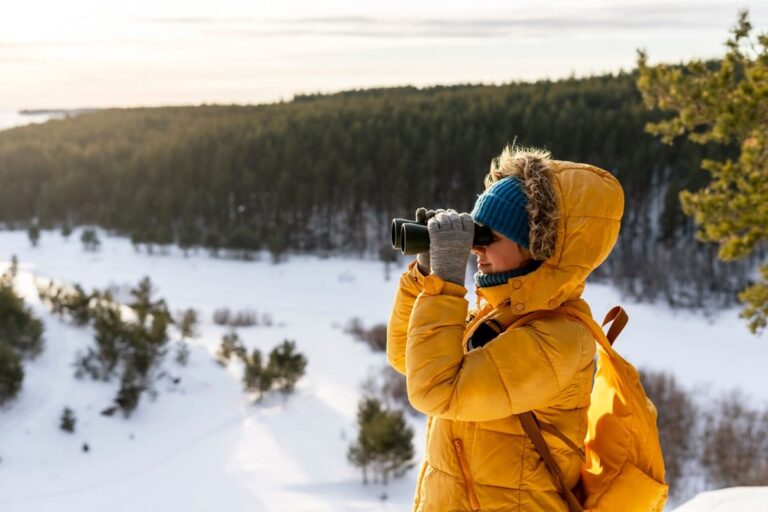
(203,444)
(13,118)
(736,499)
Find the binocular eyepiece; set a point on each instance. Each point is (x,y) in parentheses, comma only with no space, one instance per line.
(412,237)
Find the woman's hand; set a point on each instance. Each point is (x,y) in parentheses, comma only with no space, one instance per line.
(450,241)
(422,217)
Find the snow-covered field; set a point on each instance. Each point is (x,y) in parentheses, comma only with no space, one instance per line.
(203,445)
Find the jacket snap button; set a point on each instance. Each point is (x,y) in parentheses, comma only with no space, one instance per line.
(553,304)
(519,307)
(516,284)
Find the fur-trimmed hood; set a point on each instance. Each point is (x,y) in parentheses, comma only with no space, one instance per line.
(575,213)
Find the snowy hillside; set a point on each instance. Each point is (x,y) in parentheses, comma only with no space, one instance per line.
(203,444)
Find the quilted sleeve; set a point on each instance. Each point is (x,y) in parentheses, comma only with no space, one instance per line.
(520,370)
(411,284)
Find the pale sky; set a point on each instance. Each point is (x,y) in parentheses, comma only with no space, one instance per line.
(97,53)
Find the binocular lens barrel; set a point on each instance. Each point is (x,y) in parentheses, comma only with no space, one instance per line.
(397,224)
(411,237)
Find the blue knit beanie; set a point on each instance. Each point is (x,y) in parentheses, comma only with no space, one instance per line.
(502,207)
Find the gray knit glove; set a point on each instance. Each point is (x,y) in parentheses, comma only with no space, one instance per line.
(450,241)
(422,216)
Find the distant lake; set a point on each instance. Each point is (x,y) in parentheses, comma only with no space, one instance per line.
(11,118)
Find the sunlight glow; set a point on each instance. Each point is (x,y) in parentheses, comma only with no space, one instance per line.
(89,53)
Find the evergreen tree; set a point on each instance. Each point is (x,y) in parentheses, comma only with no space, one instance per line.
(13,270)
(182,353)
(384,443)
(90,240)
(68,420)
(286,365)
(395,441)
(362,452)
(188,237)
(33,232)
(129,394)
(19,329)
(257,377)
(278,244)
(66,230)
(142,302)
(77,303)
(723,102)
(243,238)
(231,344)
(11,373)
(130,349)
(325,173)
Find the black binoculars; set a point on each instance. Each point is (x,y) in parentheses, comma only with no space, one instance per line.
(412,237)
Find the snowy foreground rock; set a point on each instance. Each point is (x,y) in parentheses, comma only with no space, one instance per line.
(737,499)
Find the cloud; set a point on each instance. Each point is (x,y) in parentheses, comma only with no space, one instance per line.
(631,17)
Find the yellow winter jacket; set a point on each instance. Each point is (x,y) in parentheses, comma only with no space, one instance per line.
(477,455)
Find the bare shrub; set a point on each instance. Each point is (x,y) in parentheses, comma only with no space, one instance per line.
(389,387)
(735,439)
(242,318)
(375,337)
(394,389)
(187,322)
(677,414)
(221,316)
(355,327)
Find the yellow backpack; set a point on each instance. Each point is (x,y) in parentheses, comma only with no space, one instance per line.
(623,465)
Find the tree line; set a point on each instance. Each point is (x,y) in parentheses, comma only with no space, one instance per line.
(325,173)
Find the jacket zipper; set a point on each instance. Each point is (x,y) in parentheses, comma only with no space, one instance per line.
(468,481)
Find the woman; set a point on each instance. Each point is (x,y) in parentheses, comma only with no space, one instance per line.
(553,222)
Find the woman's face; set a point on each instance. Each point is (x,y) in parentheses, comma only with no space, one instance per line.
(500,255)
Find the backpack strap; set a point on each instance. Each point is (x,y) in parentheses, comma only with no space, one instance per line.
(533,427)
(616,315)
(551,429)
(619,317)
